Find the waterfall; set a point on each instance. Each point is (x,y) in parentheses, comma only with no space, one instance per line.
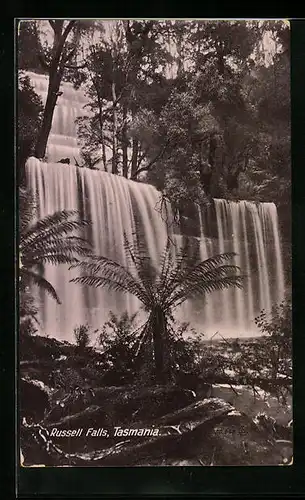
(70,105)
(250,230)
(114,205)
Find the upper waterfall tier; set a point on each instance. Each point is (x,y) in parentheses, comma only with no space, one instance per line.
(70,105)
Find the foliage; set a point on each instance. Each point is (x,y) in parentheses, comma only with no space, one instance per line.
(117,327)
(48,240)
(173,147)
(265,362)
(27,313)
(178,277)
(82,336)
(28,46)
(278,343)
(30,110)
(121,80)
(185,347)
(119,341)
(215,123)
(198,108)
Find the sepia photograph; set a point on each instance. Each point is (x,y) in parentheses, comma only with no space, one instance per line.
(153,171)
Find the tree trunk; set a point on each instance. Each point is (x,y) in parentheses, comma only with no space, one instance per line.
(114,133)
(56,70)
(104,156)
(125,142)
(158,321)
(134,159)
(41,145)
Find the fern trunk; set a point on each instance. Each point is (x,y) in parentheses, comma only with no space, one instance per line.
(159,330)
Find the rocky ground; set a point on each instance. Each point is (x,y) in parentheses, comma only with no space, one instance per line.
(194,422)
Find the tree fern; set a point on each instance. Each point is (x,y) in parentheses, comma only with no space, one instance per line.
(49,240)
(161,290)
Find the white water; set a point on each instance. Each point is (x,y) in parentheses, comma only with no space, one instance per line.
(113,203)
(63,141)
(251,231)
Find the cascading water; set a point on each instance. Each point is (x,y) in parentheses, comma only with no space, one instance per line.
(251,231)
(70,105)
(114,204)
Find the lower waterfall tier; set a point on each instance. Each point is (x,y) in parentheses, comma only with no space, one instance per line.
(114,205)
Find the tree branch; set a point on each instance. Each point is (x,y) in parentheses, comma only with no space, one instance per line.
(67,29)
(154,160)
(61,42)
(142,156)
(43,61)
(53,24)
(71,66)
(68,56)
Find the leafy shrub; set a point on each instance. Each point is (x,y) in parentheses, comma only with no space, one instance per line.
(278,342)
(184,347)
(129,359)
(30,110)
(265,362)
(116,327)
(82,336)
(27,313)
(118,340)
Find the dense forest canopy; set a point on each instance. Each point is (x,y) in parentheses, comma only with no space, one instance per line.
(197,108)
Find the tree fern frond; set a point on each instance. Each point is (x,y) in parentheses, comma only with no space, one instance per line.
(143,267)
(52,226)
(30,276)
(49,241)
(27,208)
(166,264)
(206,265)
(200,274)
(111,284)
(51,258)
(65,250)
(193,290)
(104,268)
(177,267)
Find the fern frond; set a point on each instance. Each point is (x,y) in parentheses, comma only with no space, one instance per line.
(50,227)
(57,251)
(104,268)
(193,290)
(142,265)
(30,276)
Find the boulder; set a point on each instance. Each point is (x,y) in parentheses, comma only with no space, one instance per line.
(34,399)
(119,405)
(208,432)
(252,402)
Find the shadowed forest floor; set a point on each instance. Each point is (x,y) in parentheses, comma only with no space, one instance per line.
(229,415)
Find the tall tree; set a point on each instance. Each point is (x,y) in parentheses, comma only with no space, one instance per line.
(121,76)
(56,59)
(55,63)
